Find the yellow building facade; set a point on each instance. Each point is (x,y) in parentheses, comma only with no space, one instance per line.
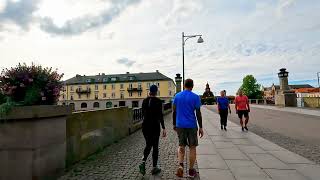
(107,91)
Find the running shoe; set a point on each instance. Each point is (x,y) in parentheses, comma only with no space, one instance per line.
(155,171)
(246,128)
(142,168)
(192,173)
(179,172)
(242,129)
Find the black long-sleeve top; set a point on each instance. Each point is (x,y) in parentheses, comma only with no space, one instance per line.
(153,116)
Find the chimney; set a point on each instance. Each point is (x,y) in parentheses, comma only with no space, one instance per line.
(157,71)
(128,73)
(178,79)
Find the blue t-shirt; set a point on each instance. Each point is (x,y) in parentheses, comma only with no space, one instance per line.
(186,103)
(223,103)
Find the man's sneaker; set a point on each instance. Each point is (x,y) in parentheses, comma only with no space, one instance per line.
(142,168)
(155,171)
(221,127)
(192,173)
(246,128)
(225,128)
(242,129)
(179,172)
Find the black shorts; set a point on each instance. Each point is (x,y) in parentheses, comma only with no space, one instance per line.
(242,113)
(188,136)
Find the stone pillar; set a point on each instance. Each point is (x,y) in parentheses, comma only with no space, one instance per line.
(178,79)
(284,96)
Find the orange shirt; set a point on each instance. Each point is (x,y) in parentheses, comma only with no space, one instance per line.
(241,102)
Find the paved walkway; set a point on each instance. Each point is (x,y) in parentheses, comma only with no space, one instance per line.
(236,155)
(121,160)
(313,112)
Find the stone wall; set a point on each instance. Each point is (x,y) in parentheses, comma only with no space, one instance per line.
(312,102)
(90,131)
(33,143)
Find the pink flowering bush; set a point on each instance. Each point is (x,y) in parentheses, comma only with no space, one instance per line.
(31,85)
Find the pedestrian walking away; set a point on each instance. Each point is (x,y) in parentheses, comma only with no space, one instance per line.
(223,108)
(242,109)
(153,118)
(186,114)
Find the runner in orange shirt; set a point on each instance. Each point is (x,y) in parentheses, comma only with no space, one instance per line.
(242,109)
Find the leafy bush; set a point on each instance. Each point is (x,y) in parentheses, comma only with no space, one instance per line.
(31,85)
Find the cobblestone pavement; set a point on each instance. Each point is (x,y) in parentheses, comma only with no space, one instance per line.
(304,146)
(121,160)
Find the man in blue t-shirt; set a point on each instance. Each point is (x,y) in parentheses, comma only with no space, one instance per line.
(186,113)
(223,107)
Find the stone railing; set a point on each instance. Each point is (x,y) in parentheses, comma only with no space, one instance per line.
(258,101)
(137,115)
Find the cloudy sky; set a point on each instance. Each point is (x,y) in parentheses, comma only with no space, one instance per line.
(115,36)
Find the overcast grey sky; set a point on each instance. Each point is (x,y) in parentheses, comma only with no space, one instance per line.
(115,36)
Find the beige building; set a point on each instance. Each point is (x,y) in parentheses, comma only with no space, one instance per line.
(114,90)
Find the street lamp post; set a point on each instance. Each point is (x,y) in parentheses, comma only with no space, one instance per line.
(184,39)
(318,75)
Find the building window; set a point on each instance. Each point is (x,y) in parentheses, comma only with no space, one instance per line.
(158,84)
(139,85)
(63,96)
(96,87)
(122,95)
(88,96)
(135,104)
(79,96)
(148,85)
(105,80)
(88,88)
(109,104)
(105,87)
(121,86)
(113,79)
(71,97)
(139,93)
(88,80)
(130,94)
(130,86)
(72,106)
(104,95)
(71,88)
(122,103)
(131,78)
(170,93)
(96,96)
(170,84)
(113,95)
(83,105)
(96,105)
(113,86)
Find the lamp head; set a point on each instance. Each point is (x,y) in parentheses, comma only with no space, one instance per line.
(200,40)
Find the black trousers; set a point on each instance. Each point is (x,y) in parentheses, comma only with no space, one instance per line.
(223,117)
(152,142)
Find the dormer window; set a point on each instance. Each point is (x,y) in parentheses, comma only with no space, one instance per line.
(131,78)
(88,80)
(105,79)
(113,79)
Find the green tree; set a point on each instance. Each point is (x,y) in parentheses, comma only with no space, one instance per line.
(251,88)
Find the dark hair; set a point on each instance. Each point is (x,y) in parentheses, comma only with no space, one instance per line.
(188,83)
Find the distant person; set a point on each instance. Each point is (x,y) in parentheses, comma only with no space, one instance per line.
(153,117)
(223,107)
(242,109)
(186,113)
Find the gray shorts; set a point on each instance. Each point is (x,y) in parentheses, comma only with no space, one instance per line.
(188,136)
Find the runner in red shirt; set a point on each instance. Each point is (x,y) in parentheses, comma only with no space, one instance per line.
(242,109)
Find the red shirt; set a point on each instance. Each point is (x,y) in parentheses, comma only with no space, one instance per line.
(241,102)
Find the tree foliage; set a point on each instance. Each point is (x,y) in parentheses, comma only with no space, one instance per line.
(30,85)
(251,88)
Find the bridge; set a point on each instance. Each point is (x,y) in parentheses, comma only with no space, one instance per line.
(231,155)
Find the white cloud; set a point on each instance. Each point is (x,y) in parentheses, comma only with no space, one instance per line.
(246,37)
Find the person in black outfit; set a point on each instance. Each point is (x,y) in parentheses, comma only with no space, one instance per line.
(153,117)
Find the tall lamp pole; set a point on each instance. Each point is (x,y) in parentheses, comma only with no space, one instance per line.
(184,39)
